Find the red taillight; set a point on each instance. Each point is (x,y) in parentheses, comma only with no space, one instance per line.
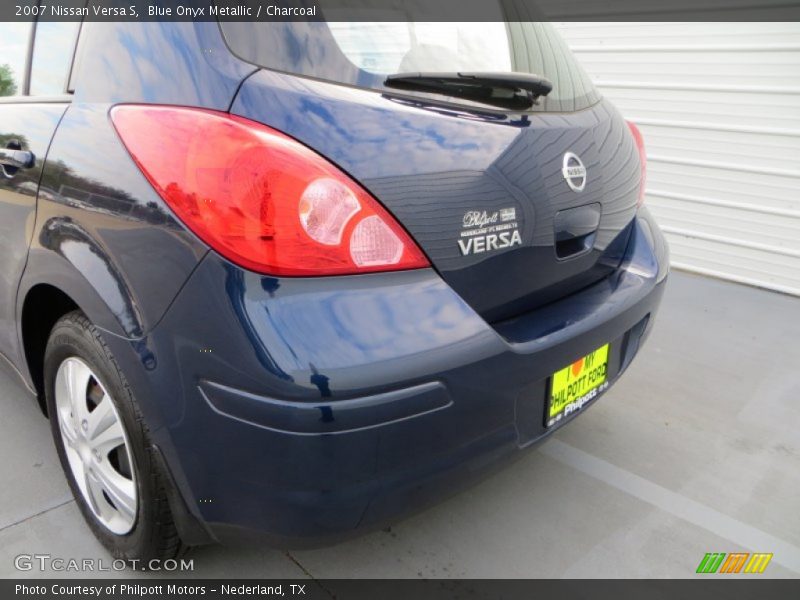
(637,136)
(260,198)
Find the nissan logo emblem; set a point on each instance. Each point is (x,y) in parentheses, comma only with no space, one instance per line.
(574,172)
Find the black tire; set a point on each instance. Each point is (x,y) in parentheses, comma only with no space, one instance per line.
(153,535)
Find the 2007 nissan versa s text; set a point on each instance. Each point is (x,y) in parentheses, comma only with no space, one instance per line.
(294,280)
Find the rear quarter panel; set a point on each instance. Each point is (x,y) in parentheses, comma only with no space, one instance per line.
(102,234)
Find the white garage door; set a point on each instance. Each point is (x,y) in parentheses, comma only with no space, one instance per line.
(719,107)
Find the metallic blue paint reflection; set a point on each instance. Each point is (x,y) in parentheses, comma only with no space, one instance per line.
(428,166)
(101,229)
(178,317)
(365,336)
(32,125)
(185,63)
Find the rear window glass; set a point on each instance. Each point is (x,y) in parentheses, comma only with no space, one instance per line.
(362,54)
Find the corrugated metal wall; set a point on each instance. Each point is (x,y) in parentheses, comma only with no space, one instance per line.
(719,107)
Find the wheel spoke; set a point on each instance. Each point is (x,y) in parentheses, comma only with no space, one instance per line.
(104,427)
(122,491)
(93,492)
(68,430)
(63,397)
(78,376)
(112,437)
(98,503)
(77,468)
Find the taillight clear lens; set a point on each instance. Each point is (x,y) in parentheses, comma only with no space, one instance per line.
(260,198)
(637,136)
(326,206)
(374,243)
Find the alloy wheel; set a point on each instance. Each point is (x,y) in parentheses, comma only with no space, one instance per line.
(96,445)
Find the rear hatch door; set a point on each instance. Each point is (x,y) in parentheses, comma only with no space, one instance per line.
(514,209)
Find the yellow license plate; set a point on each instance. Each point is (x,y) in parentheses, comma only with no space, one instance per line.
(577,384)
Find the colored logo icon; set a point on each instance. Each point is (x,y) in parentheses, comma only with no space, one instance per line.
(734,562)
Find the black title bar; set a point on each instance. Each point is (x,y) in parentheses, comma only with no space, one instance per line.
(400,10)
(399,589)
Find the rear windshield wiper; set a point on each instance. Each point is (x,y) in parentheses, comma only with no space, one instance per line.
(514,91)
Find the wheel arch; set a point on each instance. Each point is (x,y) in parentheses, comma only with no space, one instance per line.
(50,288)
(43,306)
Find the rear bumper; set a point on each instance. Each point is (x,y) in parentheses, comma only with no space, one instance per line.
(305,411)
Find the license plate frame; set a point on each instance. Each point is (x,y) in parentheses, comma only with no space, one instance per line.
(573,387)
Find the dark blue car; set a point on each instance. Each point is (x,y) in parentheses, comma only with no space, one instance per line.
(297,279)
